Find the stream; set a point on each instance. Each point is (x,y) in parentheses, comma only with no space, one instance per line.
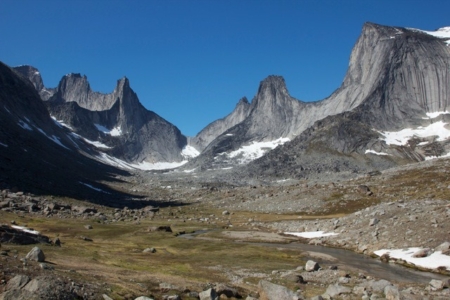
(348,259)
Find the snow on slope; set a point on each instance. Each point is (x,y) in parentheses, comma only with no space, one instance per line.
(401,137)
(435,260)
(255,150)
(116,131)
(61,123)
(312,234)
(443,33)
(145,166)
(189,152)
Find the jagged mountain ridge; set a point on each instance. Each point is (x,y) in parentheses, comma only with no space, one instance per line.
(395,76)
(216,128)
(118,120)
(37,154)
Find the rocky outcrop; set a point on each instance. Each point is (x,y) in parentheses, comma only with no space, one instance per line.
(33,74)
(36,154)
(117,120)
(395,76)
(216,128)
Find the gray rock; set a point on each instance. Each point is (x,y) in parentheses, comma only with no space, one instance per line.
(373,222)
(422,252)
(311,266)
(437,285)
(36,254)
(56,242)
(17,282)
(443,247)
(271,291)
(391,293)
(149,250)
(377,286)
(106,297)
(209,294)
(334,290)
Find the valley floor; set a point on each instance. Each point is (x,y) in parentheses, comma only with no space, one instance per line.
(207,233)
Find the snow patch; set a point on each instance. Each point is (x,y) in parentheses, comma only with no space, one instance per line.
(311,234)
(94,188)
(96,143)
(432,115)
(6,109)
(443,33)
(434,157)
(54,138)
(4,145)
(375,152)
(24,229)
(189,171)
(401,137)
(116,131)
(189,152)
(158,165)
(435,260)
(145,166)
(61,123)
(255,150)
(24,125)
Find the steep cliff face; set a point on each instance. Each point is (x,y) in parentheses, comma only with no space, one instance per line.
(395,77)
(39,156)
(398,85)
(33,75)
(216,128)
(118,120)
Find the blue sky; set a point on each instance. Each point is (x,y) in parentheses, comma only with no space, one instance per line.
(191,61)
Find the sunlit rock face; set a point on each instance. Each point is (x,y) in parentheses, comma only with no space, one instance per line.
(396,76)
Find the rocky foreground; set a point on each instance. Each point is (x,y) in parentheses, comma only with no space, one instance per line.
(396,209)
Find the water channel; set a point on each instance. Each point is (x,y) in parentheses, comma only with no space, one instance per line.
(349,259)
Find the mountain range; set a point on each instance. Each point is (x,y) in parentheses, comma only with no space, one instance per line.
(390,109)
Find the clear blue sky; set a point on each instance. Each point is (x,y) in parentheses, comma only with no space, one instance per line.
(191,61)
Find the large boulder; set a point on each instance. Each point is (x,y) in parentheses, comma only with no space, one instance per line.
(270,291)
(209,294)
(335,290)
(17,282)
(311,266)
(36,254)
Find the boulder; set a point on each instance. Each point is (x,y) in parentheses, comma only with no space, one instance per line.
(443,247)
(271,291)
(334,290)
(437,285)
(36,254)
(209,294)
(149,250)
(391,293)
(311,266)
(422,253)
(17,282)
(373,222)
